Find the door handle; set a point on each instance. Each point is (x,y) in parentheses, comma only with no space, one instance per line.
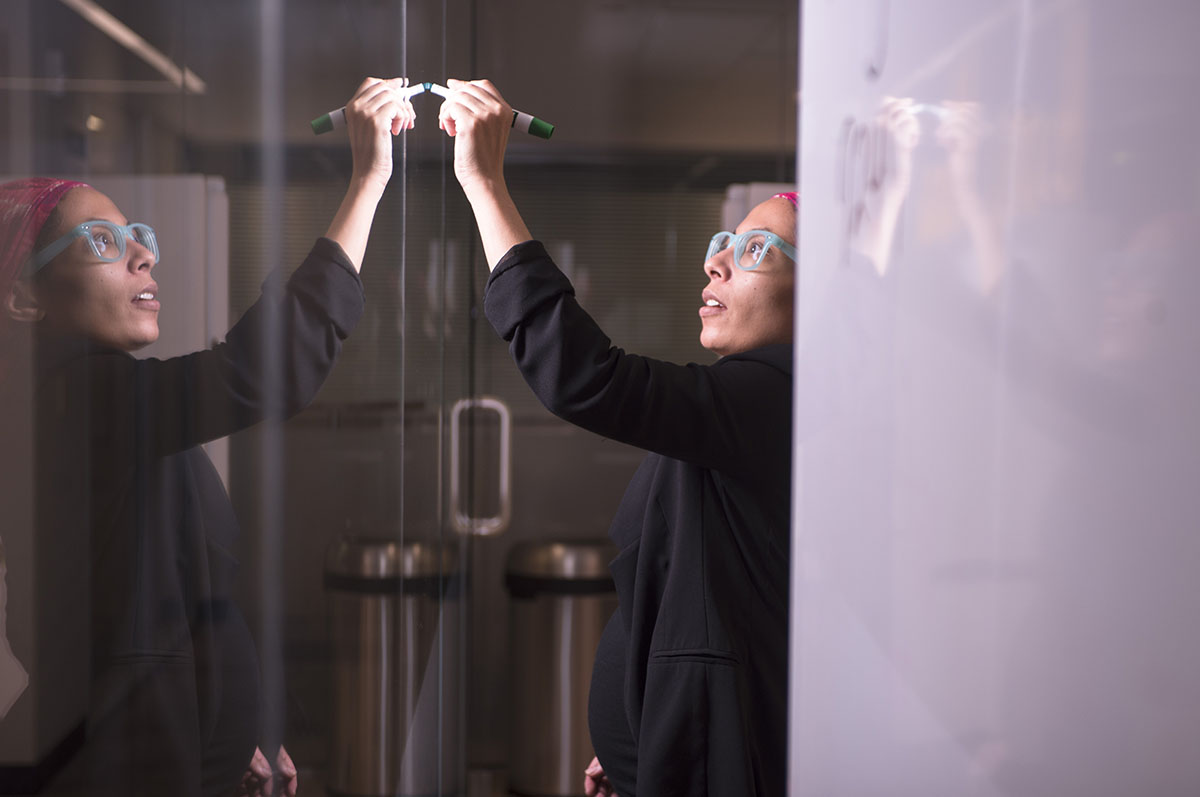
(463,522)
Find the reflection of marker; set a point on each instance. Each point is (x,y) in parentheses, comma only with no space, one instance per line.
(336,120)
(521,121)
(939,111)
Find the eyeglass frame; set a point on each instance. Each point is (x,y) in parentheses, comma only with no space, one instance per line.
(739,247)
(84,230)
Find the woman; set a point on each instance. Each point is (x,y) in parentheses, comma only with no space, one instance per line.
(174,701)
(689,687)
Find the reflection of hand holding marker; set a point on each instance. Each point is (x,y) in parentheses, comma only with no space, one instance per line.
(521,121)
(336,120)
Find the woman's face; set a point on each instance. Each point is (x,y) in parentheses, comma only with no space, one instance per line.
(111,303)
(753,308)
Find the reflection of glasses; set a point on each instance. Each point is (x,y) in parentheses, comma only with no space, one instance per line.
(749,248)
(105,239)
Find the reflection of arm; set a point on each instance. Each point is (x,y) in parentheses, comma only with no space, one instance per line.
(878,157)
(959,135)
(985,240)
(724,415)
(874,235)
(295,330)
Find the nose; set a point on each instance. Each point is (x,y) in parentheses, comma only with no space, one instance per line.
(140,257)
(720,265)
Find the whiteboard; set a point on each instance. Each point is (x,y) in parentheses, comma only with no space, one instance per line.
(996,581)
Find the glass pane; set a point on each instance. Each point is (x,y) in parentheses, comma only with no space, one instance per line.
(160,629)
(358,595)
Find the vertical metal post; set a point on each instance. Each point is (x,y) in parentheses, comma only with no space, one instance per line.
(271,500)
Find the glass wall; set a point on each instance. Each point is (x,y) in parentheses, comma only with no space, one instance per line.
(375,644)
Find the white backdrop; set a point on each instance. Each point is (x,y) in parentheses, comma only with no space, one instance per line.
(997,564)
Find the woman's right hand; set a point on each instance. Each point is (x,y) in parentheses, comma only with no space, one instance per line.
(374,114)
(479,119)
(595,784)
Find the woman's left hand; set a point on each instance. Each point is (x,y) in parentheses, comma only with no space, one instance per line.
(374,114)
(480,120)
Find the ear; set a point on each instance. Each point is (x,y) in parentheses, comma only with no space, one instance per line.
(22,303)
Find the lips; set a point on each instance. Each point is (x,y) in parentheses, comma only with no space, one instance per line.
(712,305)
(147,297)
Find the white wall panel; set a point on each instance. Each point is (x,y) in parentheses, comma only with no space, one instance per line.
(996,556)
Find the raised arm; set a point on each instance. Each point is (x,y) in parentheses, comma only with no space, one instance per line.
(276,357)
(480,120)
(373,116)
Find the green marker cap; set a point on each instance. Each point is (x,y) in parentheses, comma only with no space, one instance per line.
(322,124)
(540,129)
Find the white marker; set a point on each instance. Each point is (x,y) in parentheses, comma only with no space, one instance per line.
(521,121)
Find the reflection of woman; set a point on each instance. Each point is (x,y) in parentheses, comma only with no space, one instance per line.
(174,694)
(690,680)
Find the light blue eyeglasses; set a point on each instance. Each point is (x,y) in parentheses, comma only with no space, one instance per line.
(105,239)
(749,248)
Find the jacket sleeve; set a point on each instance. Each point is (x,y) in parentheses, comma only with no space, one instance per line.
(271,363)
(712,415)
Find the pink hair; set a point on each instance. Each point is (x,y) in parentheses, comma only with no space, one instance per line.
(25,205)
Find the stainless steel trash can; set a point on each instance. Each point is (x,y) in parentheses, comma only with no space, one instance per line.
(562,596)
(394,627)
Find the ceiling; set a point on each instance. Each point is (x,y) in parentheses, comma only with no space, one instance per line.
(647,76)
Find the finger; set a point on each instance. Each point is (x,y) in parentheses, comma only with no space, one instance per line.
(472,104)
(284,763)
(589,787)
(259,765)
(477,96)
(363,88)
(379,91)
(407,118)
(489,89)
(377,97)
(391,112)
(458,113)
(367,83)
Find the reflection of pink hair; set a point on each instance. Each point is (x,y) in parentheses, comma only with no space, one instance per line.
(25,205)
(790,196)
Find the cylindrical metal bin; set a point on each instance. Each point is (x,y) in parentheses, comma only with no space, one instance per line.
(562,597)
(396,687)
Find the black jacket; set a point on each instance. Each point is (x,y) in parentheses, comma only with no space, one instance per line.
(174,703)
(703,531)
